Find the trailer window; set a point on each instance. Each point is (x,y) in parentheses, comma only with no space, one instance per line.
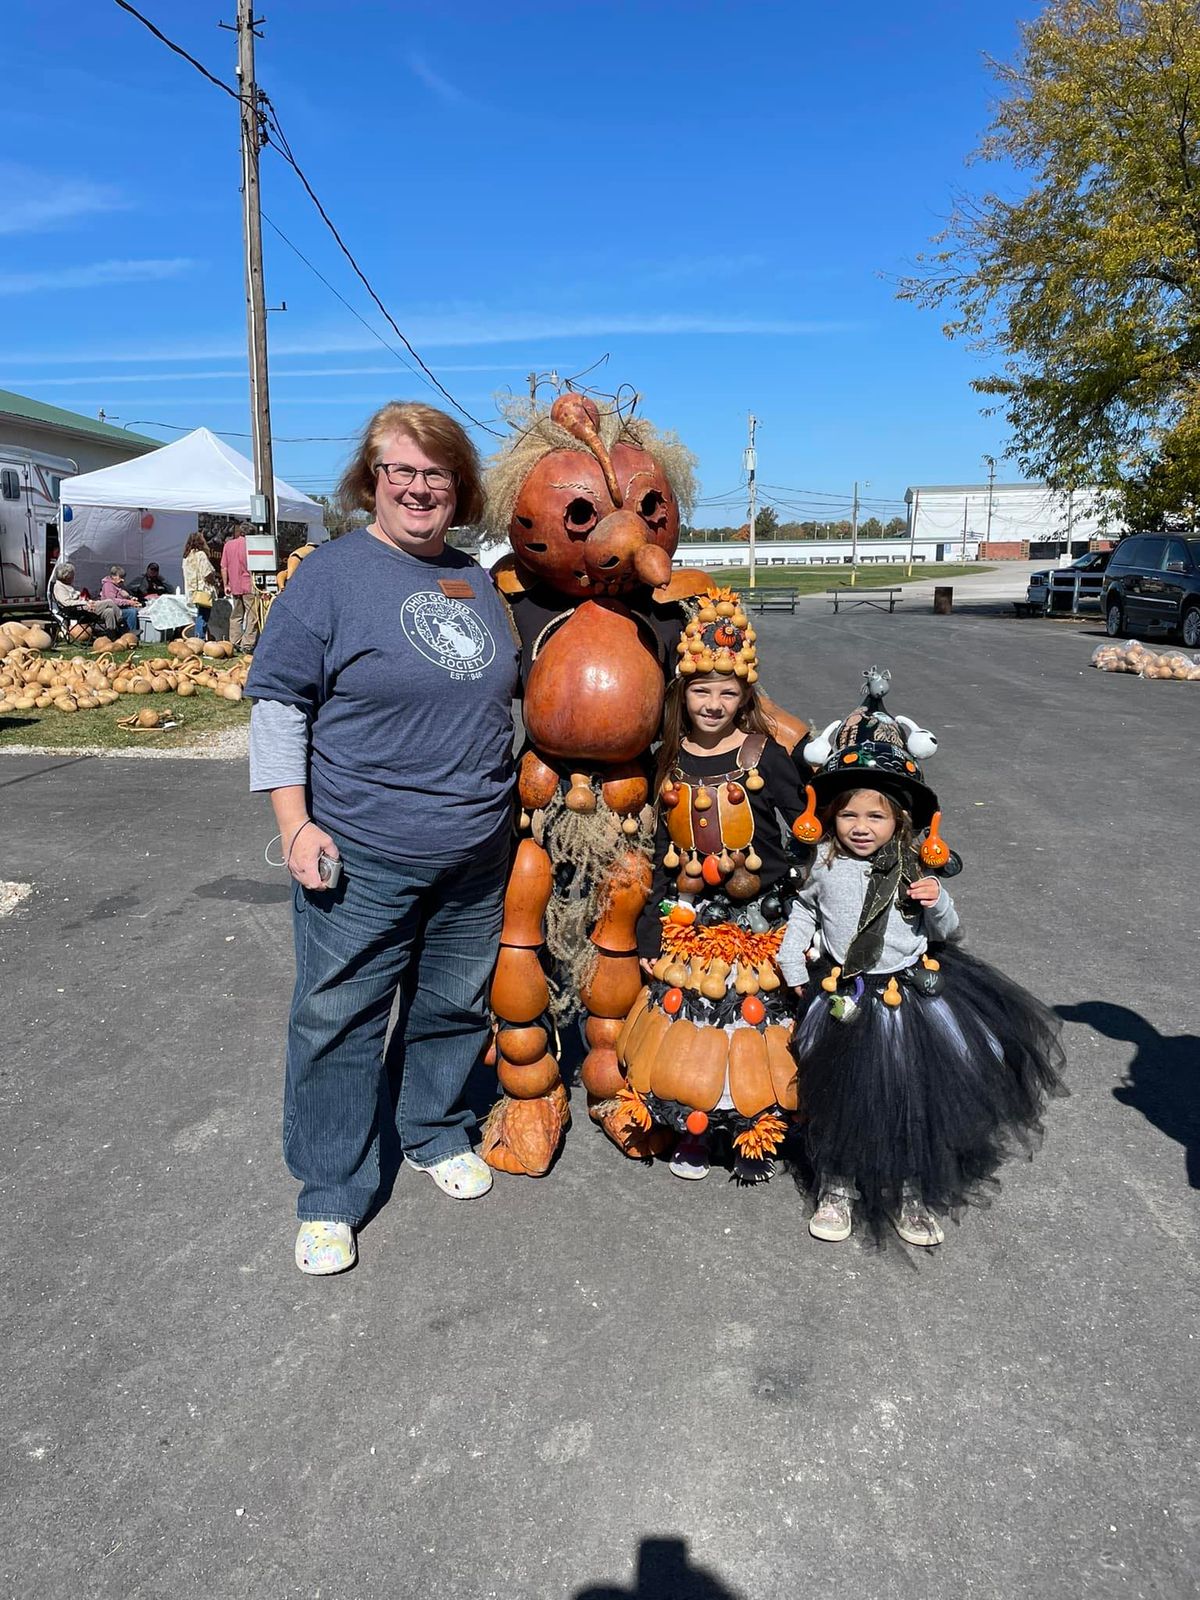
(10,484)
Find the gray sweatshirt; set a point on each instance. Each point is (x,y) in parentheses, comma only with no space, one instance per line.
(831,903)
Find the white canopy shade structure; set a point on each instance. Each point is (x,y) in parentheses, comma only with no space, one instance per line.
(144,510)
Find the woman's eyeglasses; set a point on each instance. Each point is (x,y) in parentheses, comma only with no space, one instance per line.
(401,476)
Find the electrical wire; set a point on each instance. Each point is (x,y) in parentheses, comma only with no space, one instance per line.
(284,148)
(271,123)
(180,51)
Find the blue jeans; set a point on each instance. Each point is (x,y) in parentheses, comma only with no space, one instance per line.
(131,614)
(429,933)
(201,622)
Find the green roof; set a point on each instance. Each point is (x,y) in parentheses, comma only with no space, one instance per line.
(19,405)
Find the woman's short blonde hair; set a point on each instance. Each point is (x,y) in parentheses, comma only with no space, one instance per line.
(439,436)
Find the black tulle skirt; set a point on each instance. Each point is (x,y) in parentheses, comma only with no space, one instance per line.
(935,1092)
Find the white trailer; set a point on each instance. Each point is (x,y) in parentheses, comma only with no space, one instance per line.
(29,531)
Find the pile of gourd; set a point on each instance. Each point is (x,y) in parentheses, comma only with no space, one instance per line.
(30,680)
(1136,657)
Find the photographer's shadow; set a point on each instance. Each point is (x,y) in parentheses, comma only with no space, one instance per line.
(664,1572)
(1163,1081)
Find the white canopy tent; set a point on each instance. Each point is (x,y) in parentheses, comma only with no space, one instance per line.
(144,510)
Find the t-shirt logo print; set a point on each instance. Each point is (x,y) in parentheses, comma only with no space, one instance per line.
(448,633)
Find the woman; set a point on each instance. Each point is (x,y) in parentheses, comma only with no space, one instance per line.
(102,615)
(200,581)
(382,729)
(113,588)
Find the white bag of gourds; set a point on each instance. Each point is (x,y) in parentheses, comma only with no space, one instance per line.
(1146,663)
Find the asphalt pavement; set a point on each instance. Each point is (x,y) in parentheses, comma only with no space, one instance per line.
(608,1383)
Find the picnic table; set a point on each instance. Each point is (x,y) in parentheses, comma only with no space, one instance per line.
(771,599)
(845,595)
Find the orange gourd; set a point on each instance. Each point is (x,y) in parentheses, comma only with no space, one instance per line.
(672,1001)
(782,1066)
(537,783)
(624,788)
(682,915)
(690,1065)
(595,692)
(629,885)
(935,852)
(519,990)
(711,871)
(749,1076)
(643,1047)
(612,986)
(807,826)
(521,1045)
(527,896)
(753,1010)
(530,1080)
(522,1135)
(636,1011)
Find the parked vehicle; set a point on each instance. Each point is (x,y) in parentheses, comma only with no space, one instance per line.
(1152,585)
(1063,588)
(29,483)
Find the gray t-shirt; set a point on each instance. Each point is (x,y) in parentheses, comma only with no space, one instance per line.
(406,681)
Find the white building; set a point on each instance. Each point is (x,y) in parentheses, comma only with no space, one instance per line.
(1022,514)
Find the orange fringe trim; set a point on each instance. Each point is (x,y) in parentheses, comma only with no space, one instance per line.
(630,1101)
(762,1138)
(725,942)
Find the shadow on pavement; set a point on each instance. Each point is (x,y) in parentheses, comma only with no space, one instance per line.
(1163,1081)
(663,1573)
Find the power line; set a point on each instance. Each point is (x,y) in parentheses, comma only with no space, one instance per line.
(179,50)
(284,148)
(228,433)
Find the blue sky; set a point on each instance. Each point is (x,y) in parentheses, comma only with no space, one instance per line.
(717,196)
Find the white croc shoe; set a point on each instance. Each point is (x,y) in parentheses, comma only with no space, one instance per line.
(323,1248)
(463,1177)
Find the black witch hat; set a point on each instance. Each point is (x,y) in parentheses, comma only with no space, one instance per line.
(870,749)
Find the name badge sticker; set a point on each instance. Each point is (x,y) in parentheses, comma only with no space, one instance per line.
(456,589)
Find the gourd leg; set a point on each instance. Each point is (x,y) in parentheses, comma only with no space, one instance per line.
(610,990)
(525,1127)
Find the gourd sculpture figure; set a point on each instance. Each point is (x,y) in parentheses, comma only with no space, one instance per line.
(591,505)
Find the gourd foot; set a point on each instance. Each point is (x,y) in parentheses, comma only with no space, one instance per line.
(524,1136)
(638,1143)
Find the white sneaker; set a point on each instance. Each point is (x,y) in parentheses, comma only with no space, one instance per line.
(463,1177)
(323,1248)
(691,1157)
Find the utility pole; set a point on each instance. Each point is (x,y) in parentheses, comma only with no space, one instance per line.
(750,461)
(854,537)
(256,303)
(912,528)
(991,466)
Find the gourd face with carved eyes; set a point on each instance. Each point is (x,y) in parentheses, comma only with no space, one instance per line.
(567,532)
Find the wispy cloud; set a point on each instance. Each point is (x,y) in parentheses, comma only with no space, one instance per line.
(94,275)
(434,81)
(470,329)
(35,202)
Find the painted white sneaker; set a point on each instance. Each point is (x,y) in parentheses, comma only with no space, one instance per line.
(463,1177)
(323,1248)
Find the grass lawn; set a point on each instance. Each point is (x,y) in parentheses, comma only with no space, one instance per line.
(815,580)
(201,713)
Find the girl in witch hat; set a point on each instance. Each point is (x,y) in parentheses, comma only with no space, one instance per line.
(705,1050)
(919,1064)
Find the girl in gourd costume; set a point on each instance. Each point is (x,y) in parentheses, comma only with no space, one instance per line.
(706,1046)
(919,1064)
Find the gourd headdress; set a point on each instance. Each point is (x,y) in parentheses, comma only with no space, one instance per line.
(719,638)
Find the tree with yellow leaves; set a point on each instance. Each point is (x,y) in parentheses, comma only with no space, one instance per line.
(1088,287)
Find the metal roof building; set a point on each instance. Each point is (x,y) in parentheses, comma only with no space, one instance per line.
(27,424)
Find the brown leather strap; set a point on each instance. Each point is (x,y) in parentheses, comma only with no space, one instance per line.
(751,751)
